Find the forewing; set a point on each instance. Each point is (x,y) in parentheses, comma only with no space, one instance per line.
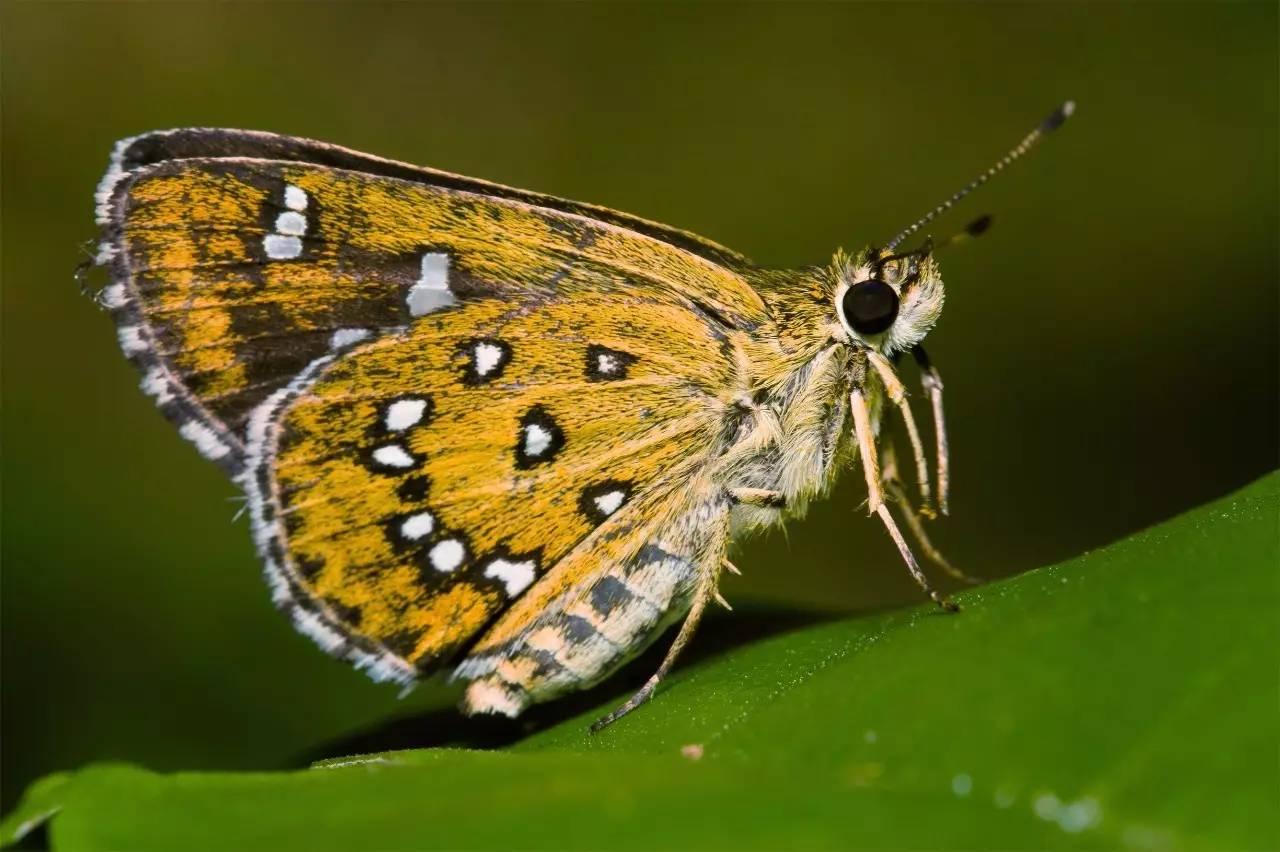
(191,143)
(232,273)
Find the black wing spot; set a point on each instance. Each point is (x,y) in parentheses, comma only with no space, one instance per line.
(349,616)
(309,568)
(414,488)
(539,440)
(403,644)
(607,365)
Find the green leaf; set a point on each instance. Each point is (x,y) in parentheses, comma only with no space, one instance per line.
(1124,699)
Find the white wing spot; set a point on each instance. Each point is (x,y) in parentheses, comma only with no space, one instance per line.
(291,223)
(487,356)
(393,455)
(609,502)
(431,291)
(295,197)
(344,337)
(404,413)
(417,526)
(156,385)
(284,244)
(280,247)
(516,576)
(114,296)
(536,440)
(131,339)
(434,271)
(607,364)
(447,555)
(206,441)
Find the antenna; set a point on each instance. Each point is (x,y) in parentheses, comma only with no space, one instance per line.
(1050,124)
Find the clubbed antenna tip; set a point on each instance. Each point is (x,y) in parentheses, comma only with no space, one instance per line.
(1058,117)
(1053,122)
(978,226)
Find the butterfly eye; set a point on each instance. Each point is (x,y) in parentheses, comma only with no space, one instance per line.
(870,306)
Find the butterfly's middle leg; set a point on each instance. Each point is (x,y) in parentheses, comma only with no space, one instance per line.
(704,592)
(898,493)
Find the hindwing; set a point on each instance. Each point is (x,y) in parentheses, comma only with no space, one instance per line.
(415,487)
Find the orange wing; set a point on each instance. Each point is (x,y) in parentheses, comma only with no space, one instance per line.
(218,311)
(419,484)
(431,388)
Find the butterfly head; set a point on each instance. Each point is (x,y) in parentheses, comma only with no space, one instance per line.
(887,300)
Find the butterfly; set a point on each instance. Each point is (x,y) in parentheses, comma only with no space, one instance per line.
(491,429)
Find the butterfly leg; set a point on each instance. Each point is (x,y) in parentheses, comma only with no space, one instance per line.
(875,495)
(704,593)
(898,396)
(867,454)
(898,493)
(758,497)
(932,385)
(629,589)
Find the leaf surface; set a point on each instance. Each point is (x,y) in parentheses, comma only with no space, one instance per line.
(1124,699)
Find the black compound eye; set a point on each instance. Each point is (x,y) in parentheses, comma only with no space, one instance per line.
(870,306)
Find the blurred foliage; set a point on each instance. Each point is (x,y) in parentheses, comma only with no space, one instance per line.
(1110,348)
(909,729)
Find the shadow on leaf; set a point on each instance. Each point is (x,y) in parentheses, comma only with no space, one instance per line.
(448,728)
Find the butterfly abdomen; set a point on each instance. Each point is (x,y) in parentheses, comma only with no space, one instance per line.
(585,643)
(596,627)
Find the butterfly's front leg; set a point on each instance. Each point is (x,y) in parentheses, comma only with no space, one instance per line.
(898,396)
(870,458)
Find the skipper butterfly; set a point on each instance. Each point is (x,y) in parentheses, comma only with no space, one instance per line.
(493,429)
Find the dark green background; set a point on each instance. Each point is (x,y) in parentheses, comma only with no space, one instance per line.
(1110,348)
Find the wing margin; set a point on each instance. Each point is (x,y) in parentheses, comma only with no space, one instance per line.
(185,143)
